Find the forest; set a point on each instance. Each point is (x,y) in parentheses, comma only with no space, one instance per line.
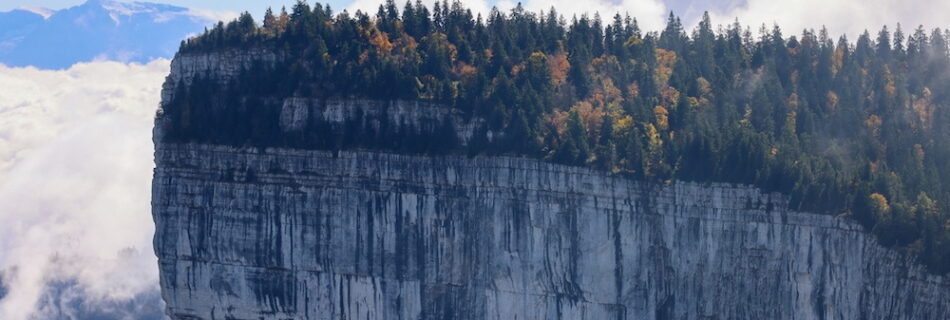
(853,128)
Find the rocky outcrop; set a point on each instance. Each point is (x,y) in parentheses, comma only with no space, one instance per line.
(244,233)
(298,114)
(221,66)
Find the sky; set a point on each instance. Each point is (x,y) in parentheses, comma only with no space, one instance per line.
(849,17)
(255,7)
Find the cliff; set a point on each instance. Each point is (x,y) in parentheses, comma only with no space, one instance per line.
(276,233)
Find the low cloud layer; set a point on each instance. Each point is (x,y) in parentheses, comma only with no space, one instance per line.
(75,171)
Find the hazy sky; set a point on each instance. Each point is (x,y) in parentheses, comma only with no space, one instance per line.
(254,6)
(840,16)
(682,7)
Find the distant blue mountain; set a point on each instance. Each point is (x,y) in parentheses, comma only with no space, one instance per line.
(95,30)
(16,24)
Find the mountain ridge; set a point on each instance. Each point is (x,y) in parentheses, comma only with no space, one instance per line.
(95,30)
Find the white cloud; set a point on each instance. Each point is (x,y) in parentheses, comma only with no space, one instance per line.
(44,12)
(75,171)
(849,17)
(213,16)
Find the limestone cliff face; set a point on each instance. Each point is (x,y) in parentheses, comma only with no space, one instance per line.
(249,233)
(220,66)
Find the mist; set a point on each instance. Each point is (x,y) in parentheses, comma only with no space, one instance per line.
(75,172)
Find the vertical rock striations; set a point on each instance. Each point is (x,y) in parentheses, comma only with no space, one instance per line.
(249,233)
(271,233)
